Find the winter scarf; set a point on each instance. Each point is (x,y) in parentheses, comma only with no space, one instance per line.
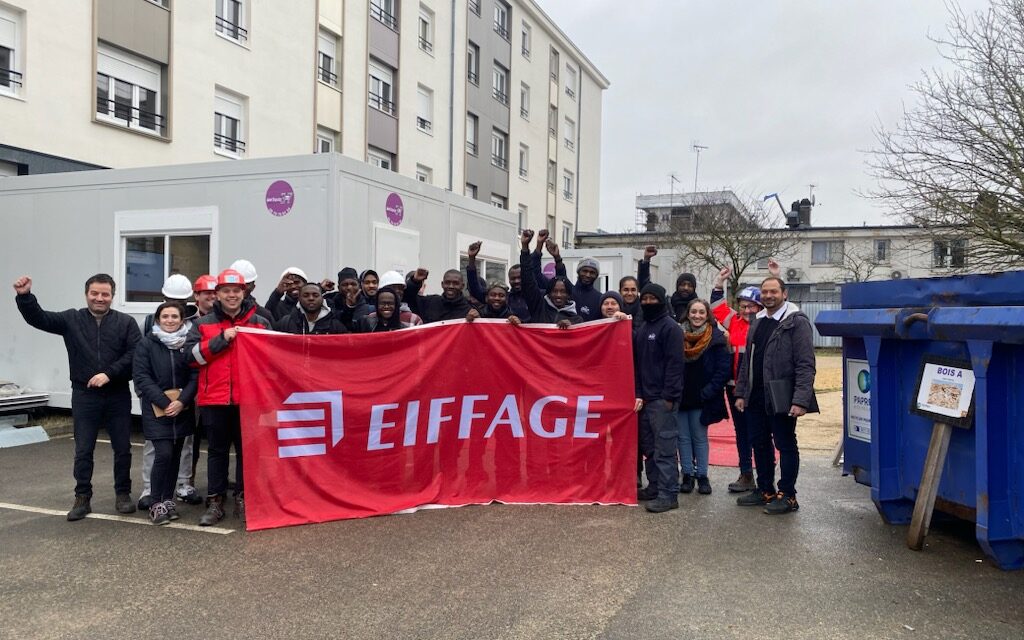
(174,340)
(695,341)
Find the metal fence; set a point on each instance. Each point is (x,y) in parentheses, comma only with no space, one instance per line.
(812,309)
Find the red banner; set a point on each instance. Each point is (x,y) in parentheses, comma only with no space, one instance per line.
(447,414)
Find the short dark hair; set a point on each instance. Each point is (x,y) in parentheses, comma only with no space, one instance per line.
(169,305)
(453,272)
(624,279)
(514,267)
(782,283)
(101,278)
(312,284)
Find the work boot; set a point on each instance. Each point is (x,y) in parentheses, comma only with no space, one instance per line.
(686,486)
(240,507)
(703,485)
(214,511)
(755,498)
(124,503)
(646,494)
(81,508)
(662,504)
(743,483)
(780,504)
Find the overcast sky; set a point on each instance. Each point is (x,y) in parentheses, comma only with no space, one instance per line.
(784,93)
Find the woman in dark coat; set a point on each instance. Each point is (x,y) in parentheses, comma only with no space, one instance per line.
(708,368)
(166,386)
(387,317)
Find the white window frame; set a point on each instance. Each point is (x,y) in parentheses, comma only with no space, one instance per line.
(499,202)
(524,216)
(424,174)
(425,30)
(879,243)
(191,221)
(499,149)
(470,191)
(527,40)
(501,19)
(382,79)
(570,81)
(524,101)
(11,38)
(568,185)
(327,52)
(499,83)
(388,17)
(569,131)
(224,29)
(326,140)
(472,134)
(834,253)
(473,63)
(425,109)
(229,106)
(120,66)
(524,161)
(380,158)
(567,235)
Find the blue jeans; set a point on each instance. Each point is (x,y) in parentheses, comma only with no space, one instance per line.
(693,442)
(658,440)
(92,410)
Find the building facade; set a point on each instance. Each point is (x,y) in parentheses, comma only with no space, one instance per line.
(487,98)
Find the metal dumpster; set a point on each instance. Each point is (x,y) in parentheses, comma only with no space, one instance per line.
(887,328)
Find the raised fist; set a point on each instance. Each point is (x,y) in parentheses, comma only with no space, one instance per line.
(473,250)
(421,274)
(23,285)
(649,252)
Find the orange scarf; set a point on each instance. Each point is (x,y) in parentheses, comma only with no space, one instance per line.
(694,343)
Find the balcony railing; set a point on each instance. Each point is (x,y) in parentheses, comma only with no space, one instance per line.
(567,194)
(426,45)
(554,76)
(499,161)
(499,95)
(327,76)
(524,112)
(526,53)
(10,78)
(474,77)
(129,116)
(228,144)
(474,6)
(523,172)
(470,148)
(551,187)
(570,145)
(231,30)
(501,29)
(569,92)
(423,124)
(381,103)
(383,17)
(553,132)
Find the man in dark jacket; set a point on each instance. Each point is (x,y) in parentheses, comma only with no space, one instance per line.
(658,356)
(285,296)
(347,302)
(779,359)
(209,347)
(450,305)
(629,287)
(516,303)
(101,344)
(686,291)
(584,294)
(554,305)
(313,317)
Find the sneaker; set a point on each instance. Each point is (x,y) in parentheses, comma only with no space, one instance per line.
(172,510)
(124,503)
(188,494)
(158,513)
(661,505)
(214,511)
(781,503)
(80,509)
(743,483)
(240,507)
(703,485)
(646,494)
(755,498)
(686,486)
(145,502)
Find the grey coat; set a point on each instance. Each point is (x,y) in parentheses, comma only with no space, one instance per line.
(789,354)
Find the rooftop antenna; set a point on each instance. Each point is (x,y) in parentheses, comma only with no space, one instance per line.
(672,181)
(697,147)
(810,193)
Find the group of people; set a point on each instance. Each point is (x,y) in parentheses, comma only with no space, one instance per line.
(690,354)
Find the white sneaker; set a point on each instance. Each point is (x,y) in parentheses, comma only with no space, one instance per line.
(187,494)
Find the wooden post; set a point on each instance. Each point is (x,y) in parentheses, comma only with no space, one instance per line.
(930,477)
(837,454)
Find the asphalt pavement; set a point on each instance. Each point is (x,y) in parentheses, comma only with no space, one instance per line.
(707,570)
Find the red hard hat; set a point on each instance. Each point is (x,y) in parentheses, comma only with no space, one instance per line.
(230,277)
(205,282)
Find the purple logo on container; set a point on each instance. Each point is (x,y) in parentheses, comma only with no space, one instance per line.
(280,198)
(394,209)
(549,270)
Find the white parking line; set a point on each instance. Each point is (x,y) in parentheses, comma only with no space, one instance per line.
(104,516)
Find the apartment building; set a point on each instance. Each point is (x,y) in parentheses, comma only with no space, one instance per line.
(487,98)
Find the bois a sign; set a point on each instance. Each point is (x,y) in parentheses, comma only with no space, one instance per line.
(450,414)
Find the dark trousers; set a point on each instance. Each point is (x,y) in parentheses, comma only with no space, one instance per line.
(166,459)
(767,433)
(91,411)
(659,436)
(739,423)
(223,429)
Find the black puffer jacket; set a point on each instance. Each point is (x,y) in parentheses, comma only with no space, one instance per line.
(93,348)
(158,369)
(296,322)
(434,308)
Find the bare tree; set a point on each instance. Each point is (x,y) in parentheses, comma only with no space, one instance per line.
(729,234)
(954,165)
(856,265)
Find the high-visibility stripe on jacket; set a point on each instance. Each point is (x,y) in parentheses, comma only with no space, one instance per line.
(207,349)
(734,323)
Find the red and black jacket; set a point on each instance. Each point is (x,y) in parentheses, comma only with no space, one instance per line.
(207,349)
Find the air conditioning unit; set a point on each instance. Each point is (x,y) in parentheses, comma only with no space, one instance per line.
(793,274)
(896,275)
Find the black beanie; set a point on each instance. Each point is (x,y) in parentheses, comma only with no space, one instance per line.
(687,277)
(656,290)
(614,295)
(347,273)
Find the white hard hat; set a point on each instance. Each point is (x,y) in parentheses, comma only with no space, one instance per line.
(177,287)
(391,278)
(295,271)
(245,268)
